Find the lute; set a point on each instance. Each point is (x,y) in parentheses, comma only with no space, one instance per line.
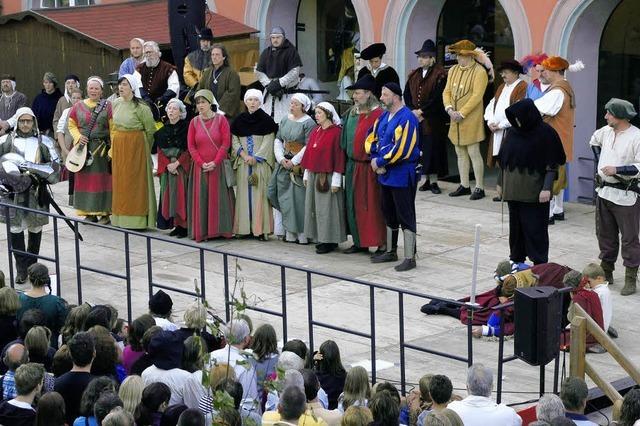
(77,157)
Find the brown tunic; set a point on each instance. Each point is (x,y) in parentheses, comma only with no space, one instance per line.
(154,80)
(426,94)
(564,120)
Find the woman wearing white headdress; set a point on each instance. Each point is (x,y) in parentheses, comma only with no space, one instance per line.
(134,198)
(174,164)
(253,133)
(324,162)
(286,191)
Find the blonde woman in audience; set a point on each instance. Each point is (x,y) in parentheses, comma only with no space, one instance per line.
(356,389)
(357,416)
(131,393)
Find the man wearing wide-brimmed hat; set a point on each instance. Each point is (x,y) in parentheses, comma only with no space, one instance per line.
(558,107)
(198,60)
(462,98)
(617,150)
(382,72)
(423,95)
(363,194)
(512,90)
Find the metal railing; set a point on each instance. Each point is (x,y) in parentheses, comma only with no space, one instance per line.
(312,322)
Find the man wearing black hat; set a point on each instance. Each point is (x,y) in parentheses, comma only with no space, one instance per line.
(617,150)
(395,152)
(423,95)
(512,90)
(11,99)
(71,82)
(198,60)
(364,213)
(278,71)
(382,72)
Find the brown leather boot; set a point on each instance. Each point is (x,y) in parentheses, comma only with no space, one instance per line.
(608,267)
(630,278)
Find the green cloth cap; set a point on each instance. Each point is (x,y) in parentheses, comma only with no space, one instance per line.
(620,108)
(51,77)
(204,93)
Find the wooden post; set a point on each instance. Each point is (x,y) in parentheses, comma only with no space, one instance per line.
(611,347)
(578,347)
(603,384)
(617,406)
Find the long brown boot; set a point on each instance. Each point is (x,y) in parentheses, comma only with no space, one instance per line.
(630,278)
(608,268)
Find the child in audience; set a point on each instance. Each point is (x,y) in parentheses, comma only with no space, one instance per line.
(599,284)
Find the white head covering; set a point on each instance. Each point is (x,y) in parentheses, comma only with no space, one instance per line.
(180,105)
(135,84)
(28,111)
(328,107)
(96,79)
(254,93)
(303,99)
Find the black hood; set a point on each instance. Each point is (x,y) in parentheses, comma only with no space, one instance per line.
(523,115)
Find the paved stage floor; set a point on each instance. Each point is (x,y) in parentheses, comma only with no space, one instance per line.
(445,252)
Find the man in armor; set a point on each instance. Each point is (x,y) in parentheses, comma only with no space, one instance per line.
(28,163)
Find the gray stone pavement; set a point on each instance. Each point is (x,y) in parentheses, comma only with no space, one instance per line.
(445,252)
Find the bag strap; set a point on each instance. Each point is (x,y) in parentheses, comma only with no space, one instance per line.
(94,116)
(207,132)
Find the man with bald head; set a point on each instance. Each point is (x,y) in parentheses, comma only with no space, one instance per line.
(129,65)
(15,356)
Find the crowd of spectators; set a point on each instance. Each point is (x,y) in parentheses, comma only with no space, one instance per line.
(82,366)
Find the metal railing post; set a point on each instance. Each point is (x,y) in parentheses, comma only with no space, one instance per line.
(470,336)
(56,254)
(283,284)
(7,219)
(127,265)
(310,310)
(372,319)
(149,267)
(403,389)
(225,265)
(76,237)
(203,293)
(500,357)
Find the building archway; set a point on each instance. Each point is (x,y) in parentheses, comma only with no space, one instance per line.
(575,27)
(406,17)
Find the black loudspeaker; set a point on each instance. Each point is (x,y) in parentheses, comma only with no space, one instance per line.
(186,17)
(538,323)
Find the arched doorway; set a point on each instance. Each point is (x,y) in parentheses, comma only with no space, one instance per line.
(620,58)
(327,32)
(574,28)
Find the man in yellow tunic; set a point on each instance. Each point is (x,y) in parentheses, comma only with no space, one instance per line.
(462,98)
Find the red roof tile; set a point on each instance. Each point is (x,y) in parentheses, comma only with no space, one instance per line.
(116,24)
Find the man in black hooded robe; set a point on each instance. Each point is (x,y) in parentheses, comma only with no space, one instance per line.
(278,71)
(529,157)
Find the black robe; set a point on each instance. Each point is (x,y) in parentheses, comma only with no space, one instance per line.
(384,76)
(276,62)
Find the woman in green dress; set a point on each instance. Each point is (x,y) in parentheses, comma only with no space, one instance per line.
(286,190)
(134,198)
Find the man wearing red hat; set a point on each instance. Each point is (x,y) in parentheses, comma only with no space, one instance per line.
(558,106)
(382,72)
(423,95)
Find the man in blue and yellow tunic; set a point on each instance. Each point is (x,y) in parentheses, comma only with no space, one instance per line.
(394,149)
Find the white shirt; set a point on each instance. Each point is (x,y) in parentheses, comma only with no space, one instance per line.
(604,294)
(245,373)
(173,82)
(621,149)
(482,411)
(550,103)
(63,120)
(494,113)
(165,324)
(174,378)
(193,391)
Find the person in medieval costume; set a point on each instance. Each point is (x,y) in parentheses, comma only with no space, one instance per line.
(278,71)
(512,90)
(423,95)
(532,66)
(393,145)
(252,137)
(89,123)
(33,161)
(196,61)
(323,164)
(363,198)
(174,165)
(10,100)
(130,64)
(462,98)
(286,191)
(159,79)
(71,82)
(223,81)
(558,107)
(382,72)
